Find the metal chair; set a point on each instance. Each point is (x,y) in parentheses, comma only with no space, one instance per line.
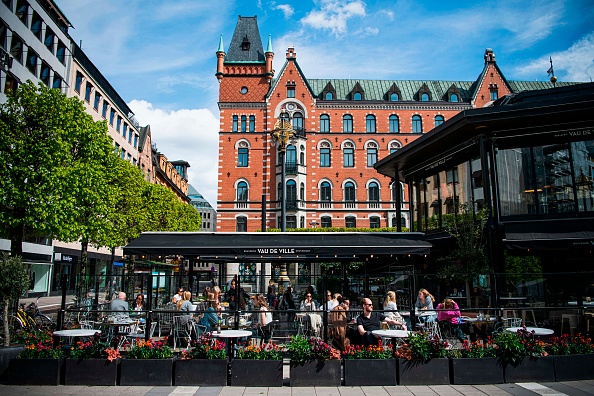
(132,337)
(124,331)
(181,331)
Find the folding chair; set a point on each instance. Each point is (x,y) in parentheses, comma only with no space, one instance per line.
(181,331)
(124,332)
(132,337)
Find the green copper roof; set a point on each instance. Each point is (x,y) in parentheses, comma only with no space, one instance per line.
(269,47)
(221,46)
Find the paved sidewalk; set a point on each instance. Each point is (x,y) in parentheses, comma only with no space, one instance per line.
(576,388)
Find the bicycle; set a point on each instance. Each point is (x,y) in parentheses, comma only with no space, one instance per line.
(31,317)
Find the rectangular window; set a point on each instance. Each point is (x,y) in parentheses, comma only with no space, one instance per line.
(349,157)
(3,35)
(242,157)
(235,122)
(325,157)
(61,52)
(124,130)
(16,48)
(78,82)
(45,74)
(290,92)
(123,154)
(57,81)
(104,111)
(10,84)
(135,141)
(291,221)
(22,11)
(326,221)
(97,101)
(347,124)
(243,123)
(32,62)
(118,123)
(374,222)
(493,95)
(241,224)
(350,222)
(49,39)
(371,156)
(36,25)
(452,176)
(111,116)
(88,90)
(252,124)
(130,135)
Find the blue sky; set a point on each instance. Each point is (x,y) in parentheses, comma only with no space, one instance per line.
(160,55)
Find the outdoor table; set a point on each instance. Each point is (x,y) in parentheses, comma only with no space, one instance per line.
(538,331)
(232,335)
(113,325)
(74,333)
(393,334)
(584,303)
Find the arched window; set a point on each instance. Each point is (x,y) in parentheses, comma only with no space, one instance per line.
(395,146)
(417,124)
(291,157)
(454,98)
(347,123)
(324,123)
(394,97)
(242,191)
(425,97)
(252,123)
(325,192)
(291,198)
(298,121)
(394,124)
(357,96)
(243,155)
(373,192)
(349,192)
(329,96)
(370,123)
(439,120)
(302,157)
(302,191)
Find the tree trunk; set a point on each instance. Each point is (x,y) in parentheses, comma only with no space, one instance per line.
(82,274)
(16,240)
(468,297)
(6,325)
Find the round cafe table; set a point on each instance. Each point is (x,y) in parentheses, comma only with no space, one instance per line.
(232,335)
(73,334)
(393,334)
(538,331)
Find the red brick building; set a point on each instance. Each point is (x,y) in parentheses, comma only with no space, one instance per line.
(342,127)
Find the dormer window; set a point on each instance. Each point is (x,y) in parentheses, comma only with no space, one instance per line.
(424,94)
(357,93)
(393,94)
(245,45)
(394,97)
(425,97)
(357,96)
(328,93)
(329,96)
(454,98)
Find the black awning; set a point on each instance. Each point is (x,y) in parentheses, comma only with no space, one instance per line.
(549,240)
(271,246)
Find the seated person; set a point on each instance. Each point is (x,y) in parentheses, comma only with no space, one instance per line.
(186,306)
(210,319)
(369,321)
(448,312)
(120,309)
(425,302)
(308,304)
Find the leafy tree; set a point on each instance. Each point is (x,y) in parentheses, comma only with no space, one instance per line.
(14,281)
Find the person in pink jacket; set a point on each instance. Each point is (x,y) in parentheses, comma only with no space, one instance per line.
(448,311)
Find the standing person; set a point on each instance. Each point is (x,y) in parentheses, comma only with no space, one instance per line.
(271,296)
(236,297)
(264,318)
(288,300)
(425,303)
(449,312)
(337,325)
(370,320)
(119,306)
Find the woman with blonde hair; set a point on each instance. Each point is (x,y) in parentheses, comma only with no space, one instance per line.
(185,305)
(390,307)
(265,317)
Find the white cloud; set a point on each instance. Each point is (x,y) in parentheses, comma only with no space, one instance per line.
(186,134)
(287,10)
(334,15)
(574,64)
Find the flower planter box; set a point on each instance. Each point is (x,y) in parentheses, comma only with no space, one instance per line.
(35,371)
(475,371)
(574,367)
(540,369)
(95,372)
(370,372)
(247,372)
(416,372)
(146,372)
(200,372)
(315,373)
(6,354)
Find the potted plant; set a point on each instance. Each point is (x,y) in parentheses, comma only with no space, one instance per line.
(14,281)
(313,362)
(422,360)
(91,362)
(39,364)
(524,357)
(147,363)
(475,363)
(372,365)
(258,366)
(573,357)
(204,363)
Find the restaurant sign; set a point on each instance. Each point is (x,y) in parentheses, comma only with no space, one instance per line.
(277,251)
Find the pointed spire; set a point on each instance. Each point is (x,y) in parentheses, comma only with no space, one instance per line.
(269,47)
(221,46)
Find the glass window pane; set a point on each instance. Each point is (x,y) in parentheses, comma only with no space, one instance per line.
(347,123)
